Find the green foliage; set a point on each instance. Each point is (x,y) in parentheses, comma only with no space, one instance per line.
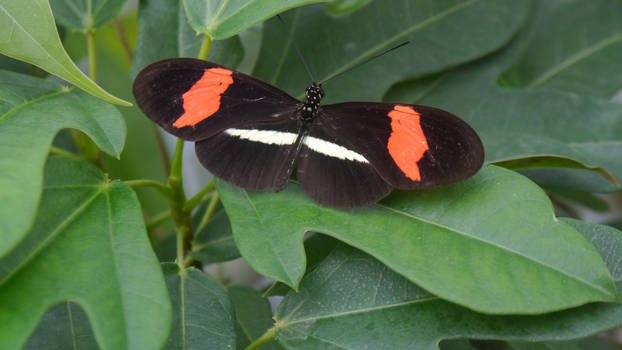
(484,259)
(29,34)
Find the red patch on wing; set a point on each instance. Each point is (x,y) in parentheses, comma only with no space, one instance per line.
(407,143)
(203,98)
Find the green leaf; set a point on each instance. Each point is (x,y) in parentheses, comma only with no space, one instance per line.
(85,15)
(164,22)
(214,243)
(576,46)
(446,34)
(32,111)
(64,326)
(352,301)
(252,317)
(202,312)
(504,252)
(516,124)
(88,245)
(30,35)
(221,19)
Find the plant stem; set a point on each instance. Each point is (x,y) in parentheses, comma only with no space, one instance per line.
(177,202)
(181,235)
(165,190)
(270,334)
(205,46)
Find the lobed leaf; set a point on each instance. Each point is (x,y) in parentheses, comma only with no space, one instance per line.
(353,301)
(32,111)
(490,243)
(29,34)
(88,245)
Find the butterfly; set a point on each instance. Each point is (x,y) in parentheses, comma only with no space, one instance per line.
(346,155)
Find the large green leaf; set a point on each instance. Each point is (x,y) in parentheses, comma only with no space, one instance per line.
(202,313)
(443,34)
(253,317)
(32,111)
(490,243)
(516,124)
(88,245)
(575,47)
(85,15)
(30,35)
(164,22)
(221,19)
(352,301)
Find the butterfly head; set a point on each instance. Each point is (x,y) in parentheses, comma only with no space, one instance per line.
(311,104)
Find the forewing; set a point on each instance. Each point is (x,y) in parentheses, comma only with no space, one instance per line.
(195,99)
(336,176)
(253,156)
(410,146)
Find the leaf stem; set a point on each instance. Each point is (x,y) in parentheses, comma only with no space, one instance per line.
(61,152)
(198,198)
(205,46)
(158,219)
(209,212)
(270,334)
(162,188)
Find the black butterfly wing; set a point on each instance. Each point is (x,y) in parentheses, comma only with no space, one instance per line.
(195,99)
(336,176)
(410,146)
(254,156)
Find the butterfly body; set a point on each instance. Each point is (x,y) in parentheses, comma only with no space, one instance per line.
(254,135)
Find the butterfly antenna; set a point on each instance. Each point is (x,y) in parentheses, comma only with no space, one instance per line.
(366,61)
(289,32)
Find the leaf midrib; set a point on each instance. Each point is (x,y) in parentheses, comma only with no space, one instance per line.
(20,106)
(285,323)
(574,59)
